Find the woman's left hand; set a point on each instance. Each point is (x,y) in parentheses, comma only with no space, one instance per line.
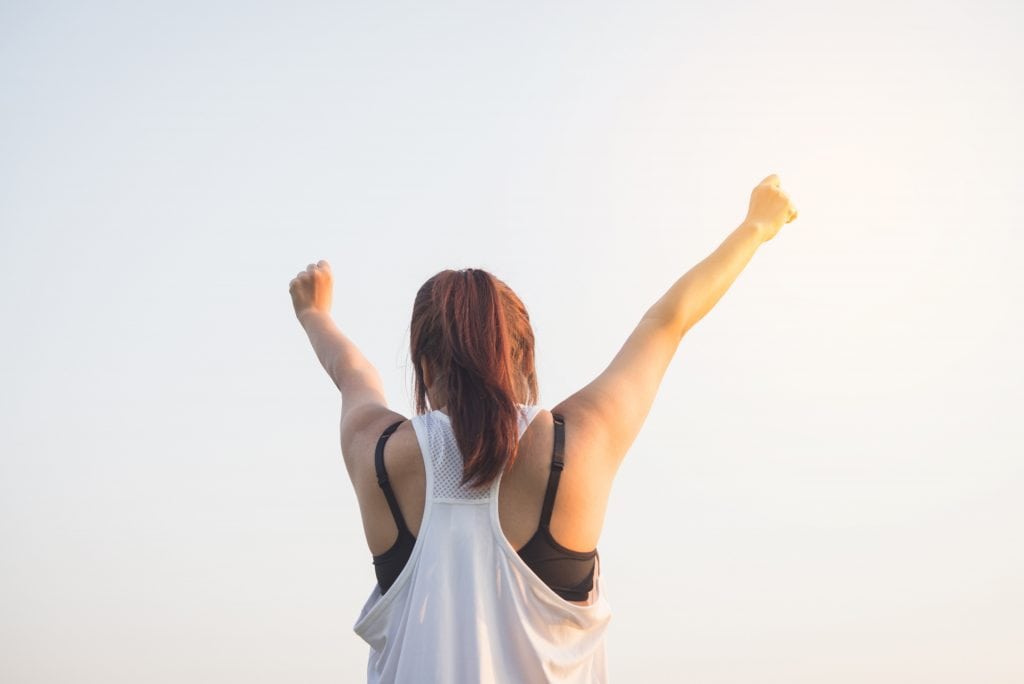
(312,290)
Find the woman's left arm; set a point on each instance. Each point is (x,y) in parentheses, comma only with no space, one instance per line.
(352,373)
(364,408)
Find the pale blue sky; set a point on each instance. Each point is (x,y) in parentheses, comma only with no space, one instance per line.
(828,485)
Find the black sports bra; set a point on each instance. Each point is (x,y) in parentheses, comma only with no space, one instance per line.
(570,574)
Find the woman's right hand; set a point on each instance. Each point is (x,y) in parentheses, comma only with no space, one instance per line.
(770,208)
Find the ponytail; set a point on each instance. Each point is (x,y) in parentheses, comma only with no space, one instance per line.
(476,335)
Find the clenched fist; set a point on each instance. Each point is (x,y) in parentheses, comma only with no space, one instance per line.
(312,289)
(770,207)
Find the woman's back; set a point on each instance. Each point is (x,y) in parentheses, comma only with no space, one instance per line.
(466,607)
(579,506)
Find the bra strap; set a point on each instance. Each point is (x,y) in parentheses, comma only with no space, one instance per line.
(382,478)
(557,463)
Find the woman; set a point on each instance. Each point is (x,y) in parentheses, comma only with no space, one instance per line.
(483,514)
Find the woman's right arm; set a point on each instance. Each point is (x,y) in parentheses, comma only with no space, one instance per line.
(700,288)
(697,292)
(612,408)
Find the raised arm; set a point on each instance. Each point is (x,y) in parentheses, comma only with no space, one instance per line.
(351,372)
(612,408)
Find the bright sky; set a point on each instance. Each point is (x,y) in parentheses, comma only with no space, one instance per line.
(828,486)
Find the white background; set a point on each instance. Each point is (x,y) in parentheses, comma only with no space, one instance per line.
(828,486)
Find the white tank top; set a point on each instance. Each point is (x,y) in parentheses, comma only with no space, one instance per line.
(466,607)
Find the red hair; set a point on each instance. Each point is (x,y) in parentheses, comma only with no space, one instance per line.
(475,334)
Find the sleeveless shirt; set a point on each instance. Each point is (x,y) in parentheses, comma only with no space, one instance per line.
(466,607)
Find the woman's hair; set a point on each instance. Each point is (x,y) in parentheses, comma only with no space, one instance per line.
(475,334)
